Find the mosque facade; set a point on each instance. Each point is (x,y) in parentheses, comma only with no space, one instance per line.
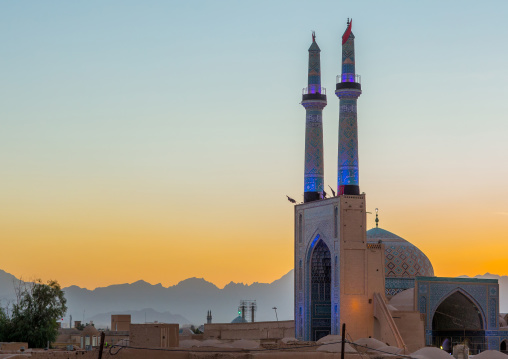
(376,282)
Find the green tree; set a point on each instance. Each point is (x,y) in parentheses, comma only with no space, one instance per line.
(35,314)
(4,325)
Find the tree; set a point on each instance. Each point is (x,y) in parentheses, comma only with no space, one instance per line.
(35,314)
(4,325)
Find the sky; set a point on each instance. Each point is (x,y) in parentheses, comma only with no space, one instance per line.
(158,140)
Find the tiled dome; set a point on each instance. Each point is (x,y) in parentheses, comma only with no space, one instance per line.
(239,319)
(402,259)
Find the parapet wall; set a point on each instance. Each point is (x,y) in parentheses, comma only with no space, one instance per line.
(253,331)
(159,335)
(13,346)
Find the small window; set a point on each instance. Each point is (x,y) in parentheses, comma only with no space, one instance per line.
(300,230)
(300,276)
(336,222)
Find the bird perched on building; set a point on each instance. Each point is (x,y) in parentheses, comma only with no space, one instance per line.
(290,199)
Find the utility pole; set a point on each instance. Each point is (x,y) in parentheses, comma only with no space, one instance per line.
(276,317)
(343,343)
(103,336)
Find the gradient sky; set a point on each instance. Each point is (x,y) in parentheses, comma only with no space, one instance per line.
(157,140)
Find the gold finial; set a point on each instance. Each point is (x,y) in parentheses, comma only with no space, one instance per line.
(377,219)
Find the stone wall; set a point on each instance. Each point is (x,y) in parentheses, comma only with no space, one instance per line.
(157,335)
(13,346)
(253,331)
(120,322)
(411,327)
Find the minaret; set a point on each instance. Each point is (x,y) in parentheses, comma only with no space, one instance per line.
(348,90)
(314,100)
(209,317)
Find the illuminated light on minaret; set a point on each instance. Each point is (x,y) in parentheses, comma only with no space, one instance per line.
(348,90)
(314,100)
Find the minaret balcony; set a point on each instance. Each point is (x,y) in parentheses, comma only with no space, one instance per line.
(314,93)
(349,81)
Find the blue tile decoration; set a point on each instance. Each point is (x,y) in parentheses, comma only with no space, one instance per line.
(432,291)
(314,100)
(403,261)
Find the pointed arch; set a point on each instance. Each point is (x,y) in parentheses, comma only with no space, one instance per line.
(469,297)
(320,289)
(503,346)
(312,245)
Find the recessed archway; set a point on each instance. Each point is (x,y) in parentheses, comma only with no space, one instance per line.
(503,346)
(321,275)
(458,320)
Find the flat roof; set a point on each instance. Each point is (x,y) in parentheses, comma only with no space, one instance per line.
(454,279)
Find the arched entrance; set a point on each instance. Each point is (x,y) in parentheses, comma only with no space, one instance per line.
(321,275)
(503,347)
(458,320)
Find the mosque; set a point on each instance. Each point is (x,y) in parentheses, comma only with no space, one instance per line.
(377,283)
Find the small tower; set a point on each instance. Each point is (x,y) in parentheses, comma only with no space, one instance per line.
(348,90)
(209,317)
(314,100)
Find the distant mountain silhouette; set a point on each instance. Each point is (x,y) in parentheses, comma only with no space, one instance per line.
(187,302)
(190,299)
(7,284)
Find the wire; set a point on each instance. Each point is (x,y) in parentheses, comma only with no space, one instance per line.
(379,350)
(250,350)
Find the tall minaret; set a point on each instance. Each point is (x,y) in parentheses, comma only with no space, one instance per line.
(348,90)
(314,100)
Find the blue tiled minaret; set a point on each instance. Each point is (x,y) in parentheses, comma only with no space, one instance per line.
(348,90)
(314,100)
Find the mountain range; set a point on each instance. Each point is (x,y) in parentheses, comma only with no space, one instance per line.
(185,303)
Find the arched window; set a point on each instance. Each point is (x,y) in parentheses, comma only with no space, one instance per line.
(336,222)
(336,271)
(300,276)
(300,230)
(320,286)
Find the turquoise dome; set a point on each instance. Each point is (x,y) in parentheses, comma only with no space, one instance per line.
(402,259)
(239,319)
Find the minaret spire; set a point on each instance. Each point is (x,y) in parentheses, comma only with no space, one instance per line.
(314,100)
(348,90)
